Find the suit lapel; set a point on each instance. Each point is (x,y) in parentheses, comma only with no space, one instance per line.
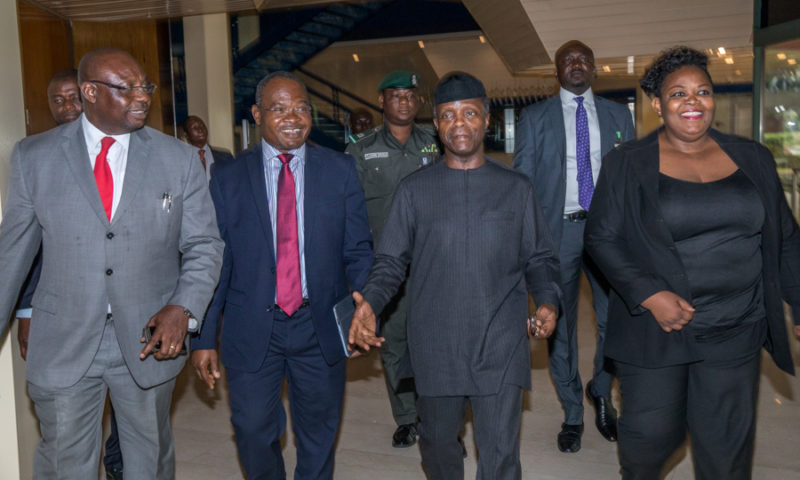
(258,187)
(312,179)
(555,113)
(646,168)
(77,158)
(606,121)
(135,171)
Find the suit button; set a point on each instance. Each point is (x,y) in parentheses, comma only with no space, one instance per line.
(109,272)
(269,309)
(273,270)
(110,235)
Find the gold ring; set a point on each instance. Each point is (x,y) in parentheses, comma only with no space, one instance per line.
(172,347)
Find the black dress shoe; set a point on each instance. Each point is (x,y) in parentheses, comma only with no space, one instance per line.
(606,416)
(405,436)
(569,439)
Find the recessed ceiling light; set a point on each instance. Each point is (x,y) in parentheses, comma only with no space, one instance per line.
(421,44)
(482,38)
(355,58)
(606,68)
(729,60)
(781,56)
(791,61)
(721,50)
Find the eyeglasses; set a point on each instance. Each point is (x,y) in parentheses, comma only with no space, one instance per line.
(283,111)
(129,90)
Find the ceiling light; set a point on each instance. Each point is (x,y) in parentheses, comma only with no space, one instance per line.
(355,58)
(791,61)
(729,60)
(606,68)
(721,50)
(781,56)
(630,64)
(482,38)
(738,72)
(421,44)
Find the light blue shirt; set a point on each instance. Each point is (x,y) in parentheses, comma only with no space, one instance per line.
(272,169)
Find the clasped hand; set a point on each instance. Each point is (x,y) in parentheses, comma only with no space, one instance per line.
(543,323)
(670,310)
(170,329)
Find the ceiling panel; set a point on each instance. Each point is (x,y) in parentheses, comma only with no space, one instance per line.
(615,28)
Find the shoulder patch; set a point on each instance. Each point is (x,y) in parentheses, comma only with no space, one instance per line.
(365,134)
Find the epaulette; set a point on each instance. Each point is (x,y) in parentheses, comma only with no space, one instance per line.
(361,136)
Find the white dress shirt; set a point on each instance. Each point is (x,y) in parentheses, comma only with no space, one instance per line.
(569,107)
(117,155)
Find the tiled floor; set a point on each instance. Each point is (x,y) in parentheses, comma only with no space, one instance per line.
(205,447)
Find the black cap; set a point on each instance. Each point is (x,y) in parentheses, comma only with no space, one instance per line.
(458,86)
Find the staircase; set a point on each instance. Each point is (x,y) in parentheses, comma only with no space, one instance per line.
(288,40)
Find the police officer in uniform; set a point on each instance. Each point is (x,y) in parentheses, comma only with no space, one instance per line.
(384,156)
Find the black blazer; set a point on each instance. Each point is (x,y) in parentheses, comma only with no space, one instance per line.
(627,237)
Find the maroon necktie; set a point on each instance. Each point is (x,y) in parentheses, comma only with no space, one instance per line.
(290,290)
(202,153)
(102,175)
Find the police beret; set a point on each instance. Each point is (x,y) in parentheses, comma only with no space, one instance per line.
(399,79)
(458,86)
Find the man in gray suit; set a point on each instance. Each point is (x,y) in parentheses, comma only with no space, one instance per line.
(560,144)
(129,241)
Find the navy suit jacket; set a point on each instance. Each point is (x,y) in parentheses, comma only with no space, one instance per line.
(338,253)
(221,154)
(541,146)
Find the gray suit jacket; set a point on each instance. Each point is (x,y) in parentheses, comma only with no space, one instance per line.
(149,256)
(540,150)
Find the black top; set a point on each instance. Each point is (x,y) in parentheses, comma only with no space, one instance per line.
(716,227)
(475,239)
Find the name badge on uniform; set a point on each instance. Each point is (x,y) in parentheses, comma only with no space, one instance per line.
(370,156)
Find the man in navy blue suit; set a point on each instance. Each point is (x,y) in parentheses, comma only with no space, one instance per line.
(560,145)
(294,222)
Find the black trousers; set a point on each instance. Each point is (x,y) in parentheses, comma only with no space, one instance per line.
(714,398)
(496,419)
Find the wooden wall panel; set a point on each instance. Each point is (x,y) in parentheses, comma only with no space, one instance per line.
(144,40)
(45,48)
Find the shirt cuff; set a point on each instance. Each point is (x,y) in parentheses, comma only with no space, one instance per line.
(24,313)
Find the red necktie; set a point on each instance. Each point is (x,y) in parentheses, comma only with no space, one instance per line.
(290,291)
(102,175)
(203,157)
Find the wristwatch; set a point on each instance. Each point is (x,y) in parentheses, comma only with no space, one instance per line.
(193,323)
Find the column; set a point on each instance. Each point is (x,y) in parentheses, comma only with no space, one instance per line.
(209,79)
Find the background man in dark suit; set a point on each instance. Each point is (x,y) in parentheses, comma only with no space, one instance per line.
(477,244)
(296,236)
(197,136)
(128,233)
(560,144)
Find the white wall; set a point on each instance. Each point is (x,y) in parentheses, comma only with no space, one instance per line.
(15,449)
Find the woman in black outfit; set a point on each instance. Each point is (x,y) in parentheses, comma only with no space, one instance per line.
(692,229)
